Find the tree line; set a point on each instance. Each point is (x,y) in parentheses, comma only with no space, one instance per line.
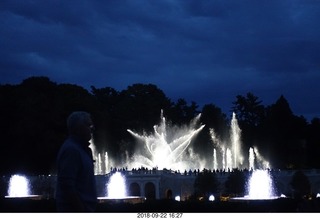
(33,123)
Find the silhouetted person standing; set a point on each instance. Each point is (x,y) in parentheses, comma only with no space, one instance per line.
(76,186)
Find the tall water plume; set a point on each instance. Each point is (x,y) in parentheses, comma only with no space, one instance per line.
(230,155)
(103,163)
(236,142)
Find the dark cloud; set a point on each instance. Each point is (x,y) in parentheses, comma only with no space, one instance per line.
(206,51)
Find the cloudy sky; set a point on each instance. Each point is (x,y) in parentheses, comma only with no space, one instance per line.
(202,51)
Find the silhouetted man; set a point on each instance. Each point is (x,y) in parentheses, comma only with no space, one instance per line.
(76,186)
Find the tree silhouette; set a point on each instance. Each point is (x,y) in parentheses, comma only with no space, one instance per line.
(285,134)
(312,143)
(33,123)
(249,109)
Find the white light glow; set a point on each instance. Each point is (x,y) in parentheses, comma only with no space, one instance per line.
(260,185)
(116,186)
(18,186)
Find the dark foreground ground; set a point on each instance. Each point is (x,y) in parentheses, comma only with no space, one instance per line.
(284,205)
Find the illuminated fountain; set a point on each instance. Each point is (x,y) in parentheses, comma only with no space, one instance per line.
(102,162)
(19,187)
(230,156)
(260,183)
(116,187)
(116,191)
(168,147)
(260,187)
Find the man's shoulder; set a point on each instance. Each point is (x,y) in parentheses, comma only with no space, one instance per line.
(69,144)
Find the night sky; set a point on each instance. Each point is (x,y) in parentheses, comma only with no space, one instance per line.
(202,51)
